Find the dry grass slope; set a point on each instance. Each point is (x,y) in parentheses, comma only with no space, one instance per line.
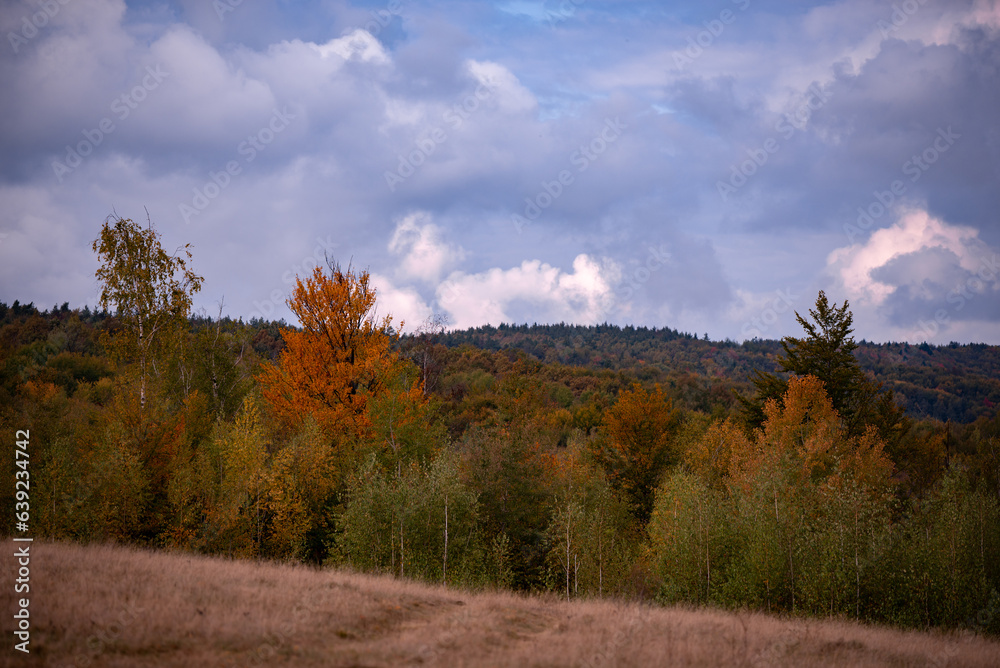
(114,606)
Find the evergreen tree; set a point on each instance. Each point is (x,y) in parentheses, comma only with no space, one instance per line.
(827,352)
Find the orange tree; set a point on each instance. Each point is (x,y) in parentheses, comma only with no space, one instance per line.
(343,357)
(636,445)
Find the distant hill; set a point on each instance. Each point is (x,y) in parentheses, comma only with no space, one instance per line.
(953,382)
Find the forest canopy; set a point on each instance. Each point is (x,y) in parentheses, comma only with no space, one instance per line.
(813,475)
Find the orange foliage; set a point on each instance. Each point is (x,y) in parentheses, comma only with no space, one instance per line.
(712,456)
(340,359)
(804,435)
(638,432)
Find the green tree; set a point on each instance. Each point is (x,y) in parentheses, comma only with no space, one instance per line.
(827,352)
(419,523)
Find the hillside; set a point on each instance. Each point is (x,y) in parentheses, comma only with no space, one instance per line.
(114,606)
(955,382)
(960,383)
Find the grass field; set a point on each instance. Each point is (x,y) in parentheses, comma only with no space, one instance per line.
(115,606)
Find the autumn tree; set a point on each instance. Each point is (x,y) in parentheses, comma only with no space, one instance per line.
(811,502)
(635,447)
(342,356)
(591,535)
(511,474)
(149,290)
(827,353)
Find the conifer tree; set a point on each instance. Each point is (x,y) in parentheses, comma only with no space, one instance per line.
(827,352)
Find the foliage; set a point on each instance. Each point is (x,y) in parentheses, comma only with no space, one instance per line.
(150,291)
(421,522)
(590,461)
(303,494)
(592,538)
(636,448)
(340,358)
(510,474)
(827,353)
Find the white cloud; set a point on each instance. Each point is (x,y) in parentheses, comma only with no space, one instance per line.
(510,94)
(424,255)
(548,293)
(405,305)
(915,230)
(359,44)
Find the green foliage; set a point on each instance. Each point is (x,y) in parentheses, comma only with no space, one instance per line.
(95,492)
(420,523)
(592,538)
(232,467)
(943,566)
(510,475)
(552,468)
(692,539)
(303,494)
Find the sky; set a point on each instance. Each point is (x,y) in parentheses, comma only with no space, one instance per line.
(703,166)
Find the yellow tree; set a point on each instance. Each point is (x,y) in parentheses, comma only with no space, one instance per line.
(150,291)
(811,499)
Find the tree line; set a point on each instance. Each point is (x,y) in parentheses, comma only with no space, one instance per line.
(804,488)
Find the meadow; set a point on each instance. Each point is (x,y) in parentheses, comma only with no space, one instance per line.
(108,605)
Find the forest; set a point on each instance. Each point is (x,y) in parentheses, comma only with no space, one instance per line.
(813,475)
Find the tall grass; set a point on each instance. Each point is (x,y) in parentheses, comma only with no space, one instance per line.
(116,606)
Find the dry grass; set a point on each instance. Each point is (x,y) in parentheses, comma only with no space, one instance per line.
(114,606)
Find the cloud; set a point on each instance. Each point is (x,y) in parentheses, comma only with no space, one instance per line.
(511,95)
(921,267)
(424,255)
(359,44)
(488,110)
(915,231)
(405,305)
(534,291)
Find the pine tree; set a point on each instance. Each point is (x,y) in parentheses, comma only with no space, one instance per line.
(827,352)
